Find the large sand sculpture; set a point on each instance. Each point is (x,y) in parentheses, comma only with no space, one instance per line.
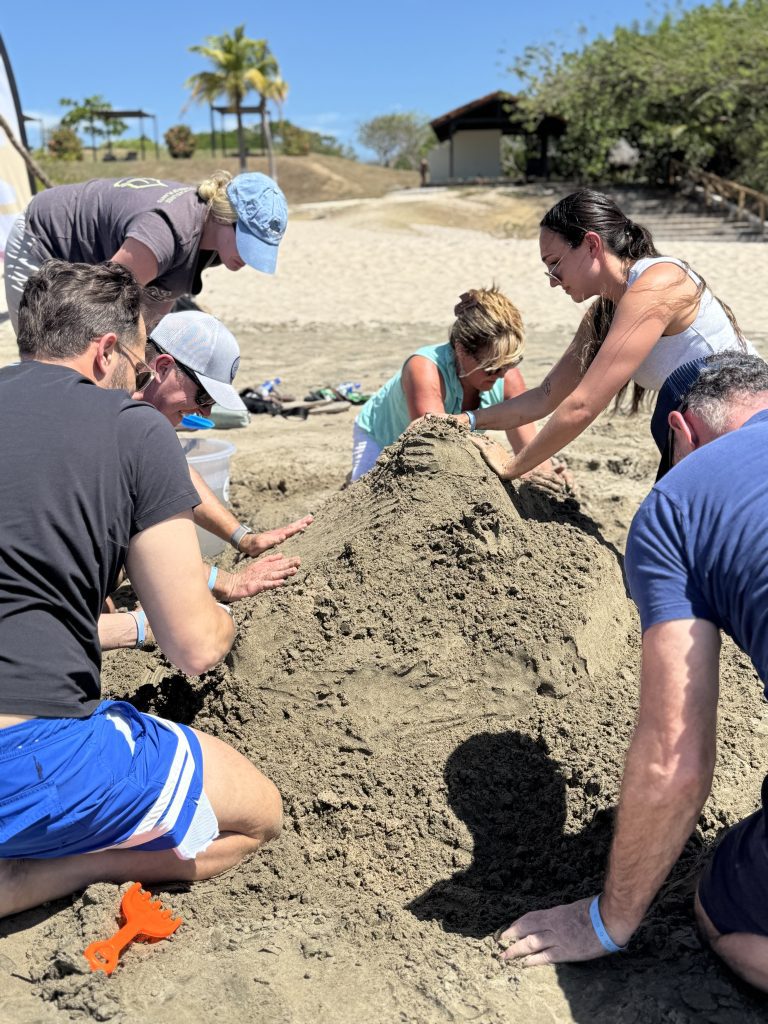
(444,696)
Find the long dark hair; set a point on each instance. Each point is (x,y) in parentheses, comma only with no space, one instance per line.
(588,210)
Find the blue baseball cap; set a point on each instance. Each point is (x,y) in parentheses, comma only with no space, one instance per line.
(262,217)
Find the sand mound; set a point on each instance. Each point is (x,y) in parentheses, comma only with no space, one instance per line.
(429,568)
(400,695)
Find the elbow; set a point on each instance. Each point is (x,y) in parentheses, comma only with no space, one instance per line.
(578,412)
(194,657)
(196,663)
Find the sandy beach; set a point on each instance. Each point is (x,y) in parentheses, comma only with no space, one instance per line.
(444,693)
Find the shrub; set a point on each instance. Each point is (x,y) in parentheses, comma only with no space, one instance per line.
(180,141)
(64,144)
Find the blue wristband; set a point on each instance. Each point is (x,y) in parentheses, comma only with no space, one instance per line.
(212,577)
(472,419)
(600,930)
(141,627)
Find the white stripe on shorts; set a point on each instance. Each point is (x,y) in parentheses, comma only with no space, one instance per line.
(162,815)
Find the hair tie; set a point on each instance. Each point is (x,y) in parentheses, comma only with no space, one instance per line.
(466,301)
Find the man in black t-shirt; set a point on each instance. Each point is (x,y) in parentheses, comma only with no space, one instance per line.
(91,480)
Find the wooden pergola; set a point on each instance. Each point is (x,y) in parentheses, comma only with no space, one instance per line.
(222,112)
(119,115)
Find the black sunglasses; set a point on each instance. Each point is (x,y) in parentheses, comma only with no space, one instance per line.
(202,399)
(143,377)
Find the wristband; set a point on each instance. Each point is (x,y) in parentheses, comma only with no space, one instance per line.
(472,420)
(140,619)
(238,535)
(600,930)
(212,577)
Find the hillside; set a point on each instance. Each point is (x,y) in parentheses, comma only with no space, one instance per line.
(304,179)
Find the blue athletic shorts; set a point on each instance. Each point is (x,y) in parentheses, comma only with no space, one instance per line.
(734,887)
(116,780)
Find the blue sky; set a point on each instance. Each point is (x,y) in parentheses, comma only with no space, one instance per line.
(344,62)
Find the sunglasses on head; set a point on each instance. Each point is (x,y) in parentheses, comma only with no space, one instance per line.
(202,399)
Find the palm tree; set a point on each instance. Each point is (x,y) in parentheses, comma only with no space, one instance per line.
(241,65)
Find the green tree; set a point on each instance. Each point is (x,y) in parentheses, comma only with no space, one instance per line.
(397,139)
(240,65)
(296,141)
(86,112)
(693,86)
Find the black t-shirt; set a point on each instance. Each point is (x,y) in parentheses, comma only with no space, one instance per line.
(82,470)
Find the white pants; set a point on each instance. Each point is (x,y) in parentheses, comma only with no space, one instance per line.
(23,257)
(365,451)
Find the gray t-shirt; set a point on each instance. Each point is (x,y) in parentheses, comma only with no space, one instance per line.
(88,222)
(82,470)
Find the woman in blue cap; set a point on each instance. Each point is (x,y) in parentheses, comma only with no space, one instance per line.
(166,232)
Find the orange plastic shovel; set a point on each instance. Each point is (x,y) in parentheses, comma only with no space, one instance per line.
(143,916)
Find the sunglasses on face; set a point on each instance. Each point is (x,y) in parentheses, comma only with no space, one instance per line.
(143,377)
(202,399)
(551,271)
(499,371)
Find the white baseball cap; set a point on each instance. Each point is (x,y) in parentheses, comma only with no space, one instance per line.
(202,344)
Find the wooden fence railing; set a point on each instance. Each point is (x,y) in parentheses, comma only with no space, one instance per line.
(745,200)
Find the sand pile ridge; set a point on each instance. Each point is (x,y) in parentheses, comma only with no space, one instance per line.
(400,694)
(430,568)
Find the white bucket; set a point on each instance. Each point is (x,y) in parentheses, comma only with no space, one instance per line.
(211,460)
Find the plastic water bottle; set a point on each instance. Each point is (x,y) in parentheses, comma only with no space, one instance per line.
(265,390)
(347,387)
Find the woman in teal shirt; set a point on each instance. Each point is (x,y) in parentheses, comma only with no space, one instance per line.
(475,369)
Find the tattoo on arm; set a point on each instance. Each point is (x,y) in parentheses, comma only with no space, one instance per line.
(546,387)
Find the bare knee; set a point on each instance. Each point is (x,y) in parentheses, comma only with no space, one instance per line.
(270,823)
(745,954)
(710,933)
(12,876)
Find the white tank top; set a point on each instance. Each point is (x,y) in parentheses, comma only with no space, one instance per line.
(710,332)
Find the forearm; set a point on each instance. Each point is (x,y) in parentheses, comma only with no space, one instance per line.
(211,514)
(526,408)
(657,813)
(120,630)
(563,426)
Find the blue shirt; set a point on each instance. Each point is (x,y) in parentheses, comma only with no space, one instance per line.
(698,545)
(385,415)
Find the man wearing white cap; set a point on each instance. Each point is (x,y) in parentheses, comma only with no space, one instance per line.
(194,359)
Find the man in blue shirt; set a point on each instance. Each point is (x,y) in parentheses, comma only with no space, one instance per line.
(697,562)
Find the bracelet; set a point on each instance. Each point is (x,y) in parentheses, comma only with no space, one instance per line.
(238,535)
(472,420)
(212,577)
(600,930)
(140,619)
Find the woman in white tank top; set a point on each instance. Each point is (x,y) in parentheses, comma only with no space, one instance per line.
(652,314)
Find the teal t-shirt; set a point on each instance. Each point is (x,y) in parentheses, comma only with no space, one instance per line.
(385,415)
